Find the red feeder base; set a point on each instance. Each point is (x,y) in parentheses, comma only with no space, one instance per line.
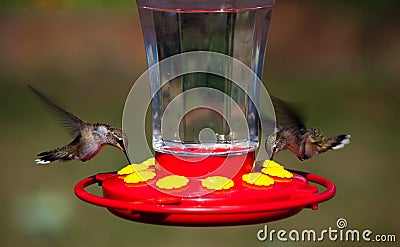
(242,204)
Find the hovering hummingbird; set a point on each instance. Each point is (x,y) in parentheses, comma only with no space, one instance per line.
(89,138)
(291,134)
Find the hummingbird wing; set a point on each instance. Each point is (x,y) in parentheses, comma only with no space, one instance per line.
(72,123)
(286,115)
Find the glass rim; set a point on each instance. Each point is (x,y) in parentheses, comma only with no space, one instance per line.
(204,5)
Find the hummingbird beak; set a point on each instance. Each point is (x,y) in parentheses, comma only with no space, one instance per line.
(122,146)
(127,156)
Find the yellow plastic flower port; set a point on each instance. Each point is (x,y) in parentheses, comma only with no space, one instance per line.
(137,167)
(274,169)
(277,172)
(126,170)
(149,162)
(140,176)
(217,183)
(172,182)
(257,178)
(272,164)
(129,169)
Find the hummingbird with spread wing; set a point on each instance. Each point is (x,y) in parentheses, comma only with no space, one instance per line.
(291,134)
(88,140)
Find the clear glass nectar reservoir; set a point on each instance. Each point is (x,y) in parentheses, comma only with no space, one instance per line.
(202,113)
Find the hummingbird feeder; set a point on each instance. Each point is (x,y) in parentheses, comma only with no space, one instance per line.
(205,61)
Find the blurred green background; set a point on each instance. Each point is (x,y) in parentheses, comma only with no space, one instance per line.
(340,58)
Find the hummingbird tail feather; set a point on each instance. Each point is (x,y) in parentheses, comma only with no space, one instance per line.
(42,161)
(52,155)
(339,141)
